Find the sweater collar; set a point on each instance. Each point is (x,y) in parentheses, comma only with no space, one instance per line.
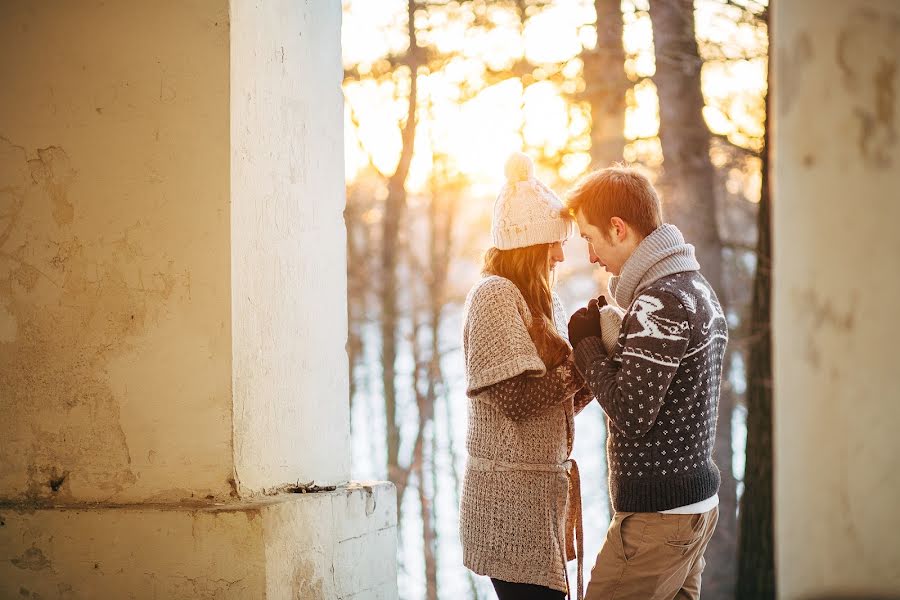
(662,253)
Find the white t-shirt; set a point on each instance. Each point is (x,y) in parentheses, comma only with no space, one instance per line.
(697,508)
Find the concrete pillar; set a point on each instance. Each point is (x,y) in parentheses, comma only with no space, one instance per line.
(836,333)
(172,306)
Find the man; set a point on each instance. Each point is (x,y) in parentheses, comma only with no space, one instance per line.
(658,382)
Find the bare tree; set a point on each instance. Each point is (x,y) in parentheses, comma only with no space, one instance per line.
(756,552)
(688,175)
(359,244)
(605,85)
(429,535)
(427,272)
(688,185)
(394,208)
(423,462)
(605,89)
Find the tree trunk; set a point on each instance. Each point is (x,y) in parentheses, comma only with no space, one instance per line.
(688,175)
(394,208)
(605,85)
(690,203)
(428,529)
(605,88)
(357,276)
(756,556)
(440,227)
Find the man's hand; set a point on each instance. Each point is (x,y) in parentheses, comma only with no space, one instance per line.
(585,323)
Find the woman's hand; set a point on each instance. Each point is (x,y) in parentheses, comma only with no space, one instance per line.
(557,355)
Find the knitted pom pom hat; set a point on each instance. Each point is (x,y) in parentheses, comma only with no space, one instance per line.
(527,212)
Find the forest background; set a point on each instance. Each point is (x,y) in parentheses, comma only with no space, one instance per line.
(437,95)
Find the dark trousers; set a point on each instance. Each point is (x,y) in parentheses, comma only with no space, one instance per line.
(525,591)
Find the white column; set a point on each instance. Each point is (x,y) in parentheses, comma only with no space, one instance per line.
(837,394)
(288,244)
(173,307)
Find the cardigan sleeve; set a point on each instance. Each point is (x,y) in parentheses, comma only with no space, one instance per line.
(496,342)
(583,396)
(524,397)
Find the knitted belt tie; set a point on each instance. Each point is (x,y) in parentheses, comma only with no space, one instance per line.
(573,541)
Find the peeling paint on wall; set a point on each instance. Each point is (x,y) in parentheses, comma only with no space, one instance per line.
(52,171)
(306,582)
(821,317)
(790,73)
(115,379)
(70,312)
(32,559)
(868,51)
(67,307)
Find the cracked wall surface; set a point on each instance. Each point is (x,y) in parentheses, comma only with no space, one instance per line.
(89,553)
(836,174)
(338,545)
(115,356)
(173,307)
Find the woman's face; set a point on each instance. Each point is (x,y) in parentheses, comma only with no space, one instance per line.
(555,254)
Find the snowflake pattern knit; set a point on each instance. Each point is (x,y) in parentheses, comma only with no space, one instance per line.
(660,387)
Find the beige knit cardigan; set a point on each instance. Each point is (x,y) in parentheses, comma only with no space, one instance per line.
(511,521)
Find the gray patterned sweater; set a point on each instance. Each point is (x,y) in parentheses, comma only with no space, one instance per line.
(660,387)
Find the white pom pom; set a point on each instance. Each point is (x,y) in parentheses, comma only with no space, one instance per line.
(519,168)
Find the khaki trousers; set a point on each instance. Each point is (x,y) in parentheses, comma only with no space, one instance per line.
(652,556)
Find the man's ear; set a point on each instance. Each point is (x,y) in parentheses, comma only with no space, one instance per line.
(619,229)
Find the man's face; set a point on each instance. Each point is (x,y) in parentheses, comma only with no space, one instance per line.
(610,251)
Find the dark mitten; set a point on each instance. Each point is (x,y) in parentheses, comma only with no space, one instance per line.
(585,323)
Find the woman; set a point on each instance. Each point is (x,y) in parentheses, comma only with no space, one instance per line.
(521,500)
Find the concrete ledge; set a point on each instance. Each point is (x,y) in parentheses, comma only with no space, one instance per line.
(328,545)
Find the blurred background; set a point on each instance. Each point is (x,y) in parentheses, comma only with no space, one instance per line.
(437,94)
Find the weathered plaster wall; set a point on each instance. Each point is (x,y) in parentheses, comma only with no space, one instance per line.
(172,307)
(115,323)
(837,176)
(348,548)
(92,553)
(291,399)
(328,546)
